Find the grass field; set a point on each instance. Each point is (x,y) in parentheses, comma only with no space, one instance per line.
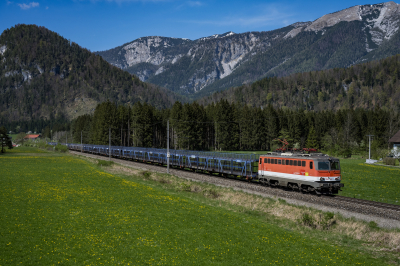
(63,210)
(372,182)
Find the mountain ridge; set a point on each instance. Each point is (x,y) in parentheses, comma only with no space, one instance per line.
(214,63)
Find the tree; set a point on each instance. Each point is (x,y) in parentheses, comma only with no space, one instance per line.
(312,139)
(5,139)
(20,138)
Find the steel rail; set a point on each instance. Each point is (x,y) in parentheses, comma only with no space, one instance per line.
(369,203)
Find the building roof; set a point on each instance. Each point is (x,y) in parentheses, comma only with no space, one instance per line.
(395,138)
(32,136)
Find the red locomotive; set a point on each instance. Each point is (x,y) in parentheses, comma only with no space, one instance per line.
(317,173)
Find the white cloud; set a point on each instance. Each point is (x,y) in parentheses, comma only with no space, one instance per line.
(28,6)
(194,3)
(268,15)
(9,2)
(125,1)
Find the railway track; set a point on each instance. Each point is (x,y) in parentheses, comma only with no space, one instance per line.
(369,203)
(353,205)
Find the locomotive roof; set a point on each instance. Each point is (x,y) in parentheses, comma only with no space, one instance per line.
(302,156)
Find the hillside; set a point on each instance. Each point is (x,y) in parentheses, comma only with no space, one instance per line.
(44,76)
(200,67)
(365,86)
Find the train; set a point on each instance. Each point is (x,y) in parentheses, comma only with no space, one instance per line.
(305,172)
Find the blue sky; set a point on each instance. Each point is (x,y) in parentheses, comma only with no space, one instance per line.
(104,24)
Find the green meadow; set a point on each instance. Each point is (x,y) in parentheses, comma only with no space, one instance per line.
(63,210)
(372,182)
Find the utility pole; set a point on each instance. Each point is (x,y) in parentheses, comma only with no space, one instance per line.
(129,133)
(109,143)
(81,142)
(168,147)
(369,140)
(66,138)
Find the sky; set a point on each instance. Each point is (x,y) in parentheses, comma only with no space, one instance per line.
(100,25)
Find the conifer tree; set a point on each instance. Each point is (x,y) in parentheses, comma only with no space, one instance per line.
(312,139)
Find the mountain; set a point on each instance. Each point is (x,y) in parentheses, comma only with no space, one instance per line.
(43,76)
(200,67)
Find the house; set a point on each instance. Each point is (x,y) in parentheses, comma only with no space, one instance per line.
(396,140)
(32,136)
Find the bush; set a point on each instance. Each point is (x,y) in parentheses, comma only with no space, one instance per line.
(346,153)
(61,148)
(146,174)
(379,153)
(104,163)
(325,221)
(307,220)
(389,161)
(373,225)
(186,187)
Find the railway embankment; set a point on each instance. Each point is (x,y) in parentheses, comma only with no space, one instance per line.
(365,211)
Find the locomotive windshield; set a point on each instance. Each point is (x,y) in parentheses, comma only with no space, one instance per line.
(331,165)
(323,165)
(335,165)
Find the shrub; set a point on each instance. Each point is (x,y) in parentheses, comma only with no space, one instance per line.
(186,187)
(373,225)
(327,220)
(61,148)
(146,174)
(389,161)
(307,220)
(211,193)
(104,163)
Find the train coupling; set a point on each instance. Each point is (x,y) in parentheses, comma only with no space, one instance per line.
(335,185)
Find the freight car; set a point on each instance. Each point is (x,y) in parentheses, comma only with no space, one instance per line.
(224,164)
(317,173)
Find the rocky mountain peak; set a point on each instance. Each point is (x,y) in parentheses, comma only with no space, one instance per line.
(378,15)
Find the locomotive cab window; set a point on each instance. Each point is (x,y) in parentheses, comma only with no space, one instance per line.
(279,162)
(335,166)
(291,162)
(265,160)
(323,165)
(287,162)
(269,160)
(311,165)
(276,161)
(294,163)
(303,163)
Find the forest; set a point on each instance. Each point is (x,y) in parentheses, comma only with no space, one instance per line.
(236,127)
(365,86)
